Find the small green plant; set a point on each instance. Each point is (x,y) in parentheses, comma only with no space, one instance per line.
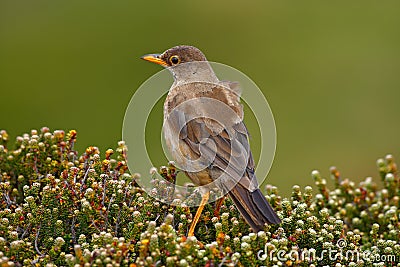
(59,208)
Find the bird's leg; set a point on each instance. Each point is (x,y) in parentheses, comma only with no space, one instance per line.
(173,173)
(203,202)
(218,205)
(171,198)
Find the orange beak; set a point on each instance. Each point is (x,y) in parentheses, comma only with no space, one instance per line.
(155,58)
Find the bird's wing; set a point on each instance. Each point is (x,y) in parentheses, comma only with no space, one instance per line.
(217,141)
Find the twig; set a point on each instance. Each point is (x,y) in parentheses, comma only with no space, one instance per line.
(73,233)
(130,201)
(26,230)
(62,153)
(35,168)
(104,189)
(7,199)
(108,210)
(86,174)
(117,223)
(126,191)
(95,226)
(70,187)
(36,241)
(222,262)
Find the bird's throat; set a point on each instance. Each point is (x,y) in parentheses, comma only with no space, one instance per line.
(199,71)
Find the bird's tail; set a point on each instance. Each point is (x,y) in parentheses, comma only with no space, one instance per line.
(254,207)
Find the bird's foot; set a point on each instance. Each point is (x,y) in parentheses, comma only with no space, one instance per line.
(218,205)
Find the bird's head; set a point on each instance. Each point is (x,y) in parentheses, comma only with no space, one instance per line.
(186,63)
(176,55)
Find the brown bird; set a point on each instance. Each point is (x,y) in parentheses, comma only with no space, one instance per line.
(205,133)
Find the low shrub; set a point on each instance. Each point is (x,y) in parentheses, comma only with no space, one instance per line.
(59,208)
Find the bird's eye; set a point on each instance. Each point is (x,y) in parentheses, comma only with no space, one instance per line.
(174,60)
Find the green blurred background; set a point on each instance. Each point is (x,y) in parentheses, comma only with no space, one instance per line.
(330,71)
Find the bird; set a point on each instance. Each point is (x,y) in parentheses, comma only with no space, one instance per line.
(205,133)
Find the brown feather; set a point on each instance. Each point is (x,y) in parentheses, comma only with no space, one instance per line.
(222,147)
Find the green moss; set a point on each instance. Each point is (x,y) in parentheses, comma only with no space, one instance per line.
(61,208)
